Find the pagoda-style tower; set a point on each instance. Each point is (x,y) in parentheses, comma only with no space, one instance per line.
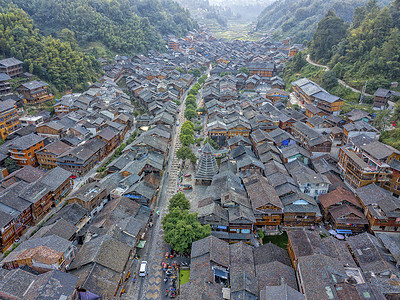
(207,166)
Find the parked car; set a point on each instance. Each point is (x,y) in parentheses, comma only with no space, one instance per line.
(143,269)
(187,175)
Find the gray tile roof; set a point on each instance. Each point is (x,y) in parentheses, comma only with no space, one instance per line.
(281,292)
(105,251)
(25,142)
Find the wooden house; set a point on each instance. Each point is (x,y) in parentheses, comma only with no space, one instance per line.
(11,66)
(267,207)
(9,118)
(23,150)
(343,211)
(35,92)
(381,208)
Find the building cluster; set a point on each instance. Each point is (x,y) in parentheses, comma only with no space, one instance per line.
(316,175)
(362,267)
(87,247)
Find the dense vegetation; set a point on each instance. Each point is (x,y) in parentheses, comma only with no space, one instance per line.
(299,18)
(54,61)
(123,26)
(370,50)
(181,227)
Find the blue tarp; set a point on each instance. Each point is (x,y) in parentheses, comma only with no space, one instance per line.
(344,231)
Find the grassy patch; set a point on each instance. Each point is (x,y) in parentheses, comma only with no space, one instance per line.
(183,276)
(279,240)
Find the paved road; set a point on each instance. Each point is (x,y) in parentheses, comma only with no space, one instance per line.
(326,68)
(152,286)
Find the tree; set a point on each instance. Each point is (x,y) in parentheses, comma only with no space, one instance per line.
(330,31)
(211,142)
(188,124)
(179,200)
(187,130)
(244,70)
(186,140)
(338,69)
(382,119)
(190,114)
(298,62)
(195,72)
(296,107)
(329,80)
(186,153)
(11,165)
(182,229)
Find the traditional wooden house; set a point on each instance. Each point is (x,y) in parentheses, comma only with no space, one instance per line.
(5,84)
(89,196)
(360,169)
(262,69)
(9,119)
(382,97)
(276,94)
(11,66)
(50,129)
(23,150)
(343,211)
(267,207)
(310,139)
(35,92)
(381,208)
(47,156)
(300,210)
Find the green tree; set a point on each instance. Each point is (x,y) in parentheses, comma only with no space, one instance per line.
(186,140)
(244,70)
(11,165)
(187,130)
(330,31)
(182,229)
(329,80)
(211,142)
(338,69)
(195,72)
(179,200)
(188,124)
(190,114)
(186,153)
(382,119)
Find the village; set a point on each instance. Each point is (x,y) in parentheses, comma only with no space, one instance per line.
(302,200)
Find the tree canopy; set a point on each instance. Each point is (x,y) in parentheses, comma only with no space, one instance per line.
(123,26)
(182,229)
(330,31)
(186,153)
(179,200)
(54,61)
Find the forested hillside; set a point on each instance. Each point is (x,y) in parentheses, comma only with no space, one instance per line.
(299,18)
(122,26)
(56,62)
(369,50)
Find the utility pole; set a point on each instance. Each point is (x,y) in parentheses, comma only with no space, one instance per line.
(363,92)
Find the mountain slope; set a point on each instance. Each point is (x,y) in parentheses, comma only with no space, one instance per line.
(299,18)
(122,26)
(54,61)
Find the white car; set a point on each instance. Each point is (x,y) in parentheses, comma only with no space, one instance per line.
(143,269)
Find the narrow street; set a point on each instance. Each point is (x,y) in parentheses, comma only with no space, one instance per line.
(152,285)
